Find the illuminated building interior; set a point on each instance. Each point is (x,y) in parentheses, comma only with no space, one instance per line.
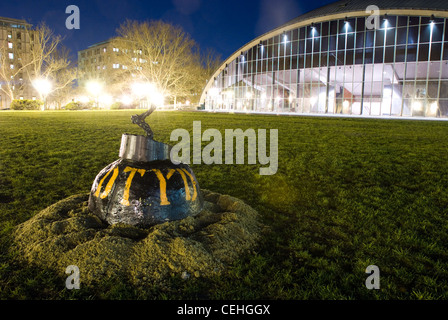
(336,60)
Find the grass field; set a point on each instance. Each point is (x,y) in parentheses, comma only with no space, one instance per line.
(348,193)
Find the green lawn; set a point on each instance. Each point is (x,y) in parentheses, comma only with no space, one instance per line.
(348,193)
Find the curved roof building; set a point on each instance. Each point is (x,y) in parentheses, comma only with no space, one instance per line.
(348,57)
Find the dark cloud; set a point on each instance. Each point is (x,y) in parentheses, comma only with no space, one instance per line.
(275,13)
(187,7)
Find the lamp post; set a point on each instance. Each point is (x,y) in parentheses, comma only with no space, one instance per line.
(139,89)
(149,91)
(43,86)
(95,88)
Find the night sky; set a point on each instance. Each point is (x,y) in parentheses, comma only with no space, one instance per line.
(222,25)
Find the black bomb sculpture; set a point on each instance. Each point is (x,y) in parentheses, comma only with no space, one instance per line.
(144,187)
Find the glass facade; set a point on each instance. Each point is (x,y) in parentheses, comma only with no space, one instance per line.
(342,67)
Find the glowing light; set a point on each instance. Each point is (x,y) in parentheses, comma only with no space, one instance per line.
(387,100)
(158,98)
(94,87)
(83,99)
(356,108)
(434,107)
(126,99)
(417,106)
(149,91)
(229,94)
(43,86)
(106,99)
(214,92)
(139,89)
(347,25)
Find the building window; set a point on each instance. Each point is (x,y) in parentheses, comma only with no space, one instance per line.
(116,65)
(338,67)
(11,56)
(115,50)
(10,45)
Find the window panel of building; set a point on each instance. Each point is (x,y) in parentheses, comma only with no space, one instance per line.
(390,71)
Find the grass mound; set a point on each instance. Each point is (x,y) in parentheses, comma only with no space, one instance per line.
(66,233)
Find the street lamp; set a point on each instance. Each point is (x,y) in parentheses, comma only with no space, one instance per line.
(126,99)
(149,91)
(95,88)
(43,86)
(106,100)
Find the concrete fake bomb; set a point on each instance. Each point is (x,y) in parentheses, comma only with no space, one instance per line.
(144,187)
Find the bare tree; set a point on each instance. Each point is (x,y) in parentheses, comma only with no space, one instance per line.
(159,53)
(209,63)
(49,60)
(14,61)
(8,74)
(36,54)
(41,56)
(63,75)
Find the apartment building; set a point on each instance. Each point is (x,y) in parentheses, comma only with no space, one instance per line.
(95,62)
(14,43)
(100,62)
